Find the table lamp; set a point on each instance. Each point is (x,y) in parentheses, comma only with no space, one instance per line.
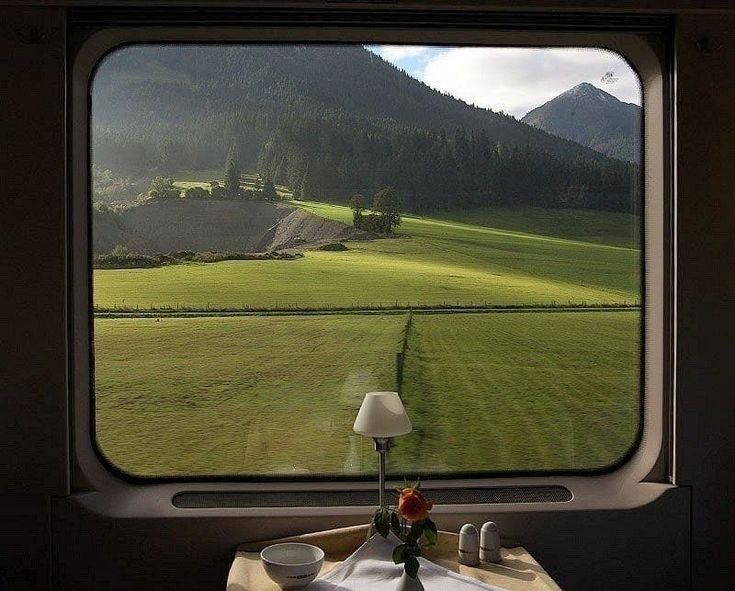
(382,416)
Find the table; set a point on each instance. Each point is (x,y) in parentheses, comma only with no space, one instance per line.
(518,570)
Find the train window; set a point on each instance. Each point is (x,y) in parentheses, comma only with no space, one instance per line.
(278,229)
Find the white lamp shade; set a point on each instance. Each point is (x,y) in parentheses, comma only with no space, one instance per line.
(382,415)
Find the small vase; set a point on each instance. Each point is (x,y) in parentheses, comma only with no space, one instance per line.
(406,583)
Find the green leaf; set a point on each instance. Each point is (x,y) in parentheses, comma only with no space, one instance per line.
(431,533)
(411,566)
(395,524)
(399,554)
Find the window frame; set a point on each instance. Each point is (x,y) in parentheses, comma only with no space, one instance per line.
(623,485)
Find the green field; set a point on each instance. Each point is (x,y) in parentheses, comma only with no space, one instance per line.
(278,395)
(616,229)
(432,262)
(234,395)
(522,391)
(597,227)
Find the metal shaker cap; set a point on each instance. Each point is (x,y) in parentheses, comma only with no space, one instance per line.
(468,529)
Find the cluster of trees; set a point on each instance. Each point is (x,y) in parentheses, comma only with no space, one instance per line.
(385,213)
(108,187)
(329,156)
(162,187)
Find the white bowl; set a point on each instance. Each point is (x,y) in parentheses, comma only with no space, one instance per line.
(292,565)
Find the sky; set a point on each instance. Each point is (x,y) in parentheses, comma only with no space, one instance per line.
(513,80)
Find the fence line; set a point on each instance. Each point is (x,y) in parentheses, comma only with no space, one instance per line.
(401,355)
(180,311)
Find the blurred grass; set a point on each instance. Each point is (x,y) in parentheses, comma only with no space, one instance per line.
(219,396)
(521,391)
(278,395)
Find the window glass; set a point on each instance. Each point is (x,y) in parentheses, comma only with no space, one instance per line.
(280,229)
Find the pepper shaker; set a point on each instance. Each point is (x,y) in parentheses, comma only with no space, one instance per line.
(490,542)
(468,550)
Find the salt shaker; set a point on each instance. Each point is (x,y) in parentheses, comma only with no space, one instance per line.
(468,550)
(490,542)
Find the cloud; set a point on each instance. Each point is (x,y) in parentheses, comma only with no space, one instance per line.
(398,53)
(518,79)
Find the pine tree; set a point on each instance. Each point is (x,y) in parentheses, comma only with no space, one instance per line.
(388,205)
(232,174)
(303,191)
(358,203)
(269,191)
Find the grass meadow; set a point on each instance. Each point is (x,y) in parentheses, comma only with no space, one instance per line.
(521,391)
(614,229)
(265,395)
(432,262)
(277,395)
(239,395)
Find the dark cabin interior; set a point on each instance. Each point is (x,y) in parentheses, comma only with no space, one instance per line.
(61,529)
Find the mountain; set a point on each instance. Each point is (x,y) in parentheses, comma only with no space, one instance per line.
(331,121)
(592,117)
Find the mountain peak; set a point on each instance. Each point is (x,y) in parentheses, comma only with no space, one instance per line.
(594,118)
(587,90)
(585,86)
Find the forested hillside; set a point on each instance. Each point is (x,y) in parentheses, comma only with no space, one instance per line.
(332,121)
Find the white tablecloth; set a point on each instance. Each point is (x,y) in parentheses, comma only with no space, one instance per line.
(371,568)
(518,571)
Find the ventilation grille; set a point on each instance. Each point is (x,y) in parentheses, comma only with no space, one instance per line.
(363,17)
(367,498)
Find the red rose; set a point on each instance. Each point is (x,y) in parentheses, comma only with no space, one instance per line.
(413,505)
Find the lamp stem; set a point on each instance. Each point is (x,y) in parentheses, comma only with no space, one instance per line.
(382,445)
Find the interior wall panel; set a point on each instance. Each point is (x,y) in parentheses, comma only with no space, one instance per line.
(646,548)
(25,552)
(33,369)
(706,290)
(621,549)
(33,396)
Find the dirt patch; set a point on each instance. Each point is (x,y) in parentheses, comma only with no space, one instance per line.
(333,247)
(301,229)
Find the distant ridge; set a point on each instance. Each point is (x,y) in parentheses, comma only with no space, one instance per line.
(594,118)
(332,121)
